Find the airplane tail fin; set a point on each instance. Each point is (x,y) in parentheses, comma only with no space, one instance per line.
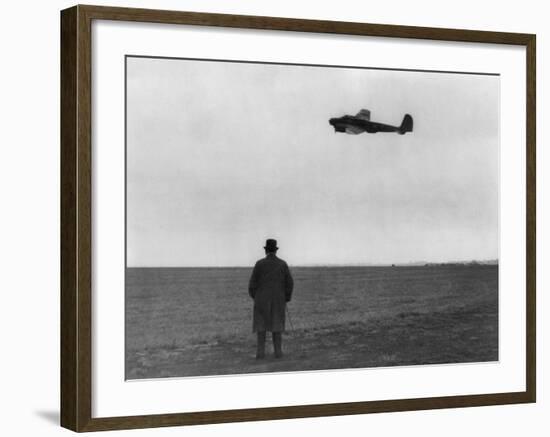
(406,124)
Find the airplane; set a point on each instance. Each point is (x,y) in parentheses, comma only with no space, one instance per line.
(356,124)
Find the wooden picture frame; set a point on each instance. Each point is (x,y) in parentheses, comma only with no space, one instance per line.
(76,217)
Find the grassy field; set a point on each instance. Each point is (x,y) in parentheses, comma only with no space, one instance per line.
(198,321)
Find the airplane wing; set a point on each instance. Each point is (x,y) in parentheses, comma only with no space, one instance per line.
(354,130)
(364,114)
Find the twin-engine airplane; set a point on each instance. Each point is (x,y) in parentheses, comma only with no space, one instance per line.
(356,124)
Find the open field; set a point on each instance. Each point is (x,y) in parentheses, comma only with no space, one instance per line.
(198,321)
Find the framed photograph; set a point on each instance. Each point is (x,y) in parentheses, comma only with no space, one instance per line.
(267,218)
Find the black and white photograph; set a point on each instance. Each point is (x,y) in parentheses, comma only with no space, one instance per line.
(292,217)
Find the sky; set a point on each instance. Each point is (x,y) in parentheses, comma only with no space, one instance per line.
(222,155)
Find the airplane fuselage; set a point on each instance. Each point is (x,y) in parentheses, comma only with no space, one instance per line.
(355,125)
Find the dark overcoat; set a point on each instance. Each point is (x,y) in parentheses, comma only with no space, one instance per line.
(271,287)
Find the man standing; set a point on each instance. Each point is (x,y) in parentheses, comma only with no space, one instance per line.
(271,288)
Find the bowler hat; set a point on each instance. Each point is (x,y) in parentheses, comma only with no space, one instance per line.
(271,245)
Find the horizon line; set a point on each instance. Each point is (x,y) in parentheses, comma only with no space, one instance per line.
(488,261)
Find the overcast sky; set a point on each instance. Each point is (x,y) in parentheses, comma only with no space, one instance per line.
(221,156)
